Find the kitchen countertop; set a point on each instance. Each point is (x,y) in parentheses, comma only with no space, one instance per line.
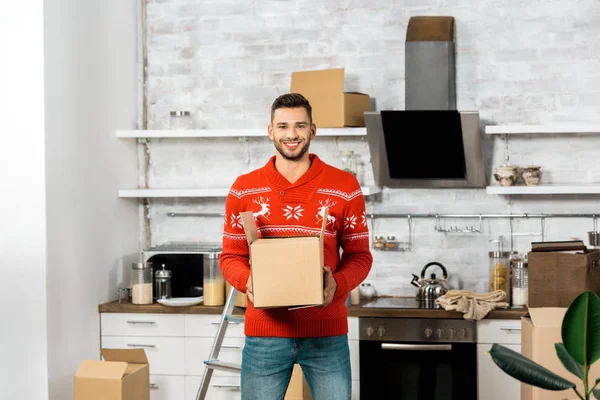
(353,311)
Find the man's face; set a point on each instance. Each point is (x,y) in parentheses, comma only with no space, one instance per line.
(291,132)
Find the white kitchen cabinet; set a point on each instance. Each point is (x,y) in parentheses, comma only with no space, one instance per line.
(178,344)
(492,382)
(164,387)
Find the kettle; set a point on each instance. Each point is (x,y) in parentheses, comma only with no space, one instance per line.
(431,288)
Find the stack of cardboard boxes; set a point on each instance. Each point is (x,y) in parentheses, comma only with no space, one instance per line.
(555,279)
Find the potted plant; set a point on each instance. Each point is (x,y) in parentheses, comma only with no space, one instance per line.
(580,348)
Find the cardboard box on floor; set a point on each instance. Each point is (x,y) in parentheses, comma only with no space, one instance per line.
(298,388)
(556,278)
(286,271)
(124,374)
(331,106)
(541,329)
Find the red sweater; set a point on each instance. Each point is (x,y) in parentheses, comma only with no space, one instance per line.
(283,208)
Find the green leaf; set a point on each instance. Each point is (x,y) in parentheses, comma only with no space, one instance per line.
(597,393)
(527,371)
(569,363)
(581,329)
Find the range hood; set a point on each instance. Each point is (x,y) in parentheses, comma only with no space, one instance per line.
(445,142)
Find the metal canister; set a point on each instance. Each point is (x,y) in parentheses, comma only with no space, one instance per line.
(162,282)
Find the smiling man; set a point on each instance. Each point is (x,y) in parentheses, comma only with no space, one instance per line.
(287,197)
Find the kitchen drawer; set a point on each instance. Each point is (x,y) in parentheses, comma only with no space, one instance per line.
(207,325)
(133,324)
(198,349)
(166,355)
(166,387)
(220,387)
(500,331)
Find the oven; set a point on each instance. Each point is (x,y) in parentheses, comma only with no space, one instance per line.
(417,359)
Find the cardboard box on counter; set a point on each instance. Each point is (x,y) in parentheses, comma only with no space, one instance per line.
(298,388)
(124,374)
(556,278)
(541,330)
(286,271)
(331,106)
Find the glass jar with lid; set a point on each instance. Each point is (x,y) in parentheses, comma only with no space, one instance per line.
(499,267)
(141,283)
(348,159)
(379,243)
(520,283)
(213,282)
(181,120)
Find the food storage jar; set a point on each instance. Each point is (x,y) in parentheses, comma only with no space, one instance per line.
(214,282)
(349,162)
(520,285)
(181,120)
(499,264)
(141,283)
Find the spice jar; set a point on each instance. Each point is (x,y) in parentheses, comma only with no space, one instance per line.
(379,242)
(162,282)
(391,243)
(181,120)
(141,283)
(214,282)
(499,263)
(520,284)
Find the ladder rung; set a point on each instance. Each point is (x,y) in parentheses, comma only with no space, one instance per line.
(231,318)
(223,366)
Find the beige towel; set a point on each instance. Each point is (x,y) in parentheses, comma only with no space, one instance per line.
(473,305)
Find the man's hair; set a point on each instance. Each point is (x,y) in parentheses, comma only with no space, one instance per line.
(291,100)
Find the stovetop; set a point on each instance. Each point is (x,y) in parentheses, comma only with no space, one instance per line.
(400,302)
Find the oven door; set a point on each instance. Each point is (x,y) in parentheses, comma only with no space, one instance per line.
(418,370)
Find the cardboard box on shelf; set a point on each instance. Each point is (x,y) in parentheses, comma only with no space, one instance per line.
(331,106)
(298,388)
(286,271)
(541,330)
(556,278)
(123,374)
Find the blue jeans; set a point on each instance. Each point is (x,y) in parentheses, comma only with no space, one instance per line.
(267,364)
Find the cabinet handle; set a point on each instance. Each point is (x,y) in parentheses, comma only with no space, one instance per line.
(149,346)
(417,347)
(141,322)
(230,322)
(509,328)
(225,385)
(153,386)
(230,346)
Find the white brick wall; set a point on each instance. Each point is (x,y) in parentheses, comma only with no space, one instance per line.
(226,61)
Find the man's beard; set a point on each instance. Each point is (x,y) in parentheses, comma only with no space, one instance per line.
(288,157)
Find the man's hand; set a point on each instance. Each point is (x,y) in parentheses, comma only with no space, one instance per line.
(249,289)
(330,286)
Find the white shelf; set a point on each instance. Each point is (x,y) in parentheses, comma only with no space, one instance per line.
(191,192)
(216,133)
(591,188)
(541,129)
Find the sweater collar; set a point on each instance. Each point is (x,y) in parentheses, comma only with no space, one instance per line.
(280,182)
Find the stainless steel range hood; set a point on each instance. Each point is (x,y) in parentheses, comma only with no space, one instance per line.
(446,142)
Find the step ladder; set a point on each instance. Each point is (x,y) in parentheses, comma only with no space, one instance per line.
(213,362)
